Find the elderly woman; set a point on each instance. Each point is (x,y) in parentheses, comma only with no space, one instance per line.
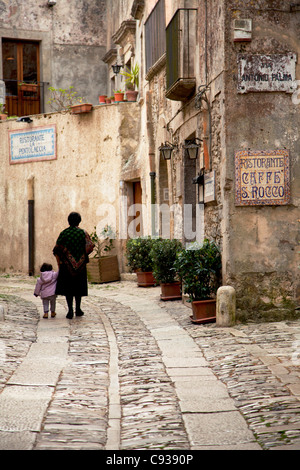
(71,251)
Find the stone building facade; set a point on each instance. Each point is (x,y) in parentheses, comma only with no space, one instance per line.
(224,75)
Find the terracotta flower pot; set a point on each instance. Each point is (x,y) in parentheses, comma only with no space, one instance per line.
(102,99)
(204,311)
(31,87)
(145,279)
(3,117)
(81,108)
(170,291)
(131,95)
(119,97)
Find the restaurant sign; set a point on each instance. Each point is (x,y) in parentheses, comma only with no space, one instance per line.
(262,177)
(38,144)
(274,72)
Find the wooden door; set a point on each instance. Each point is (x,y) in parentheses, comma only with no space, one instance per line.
(137,199)
(21,64)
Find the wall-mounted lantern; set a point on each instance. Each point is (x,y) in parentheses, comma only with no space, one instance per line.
(199,180)
(166,150)
(192,148)
(116,68)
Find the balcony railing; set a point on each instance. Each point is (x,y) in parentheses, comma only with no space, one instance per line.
(24,100)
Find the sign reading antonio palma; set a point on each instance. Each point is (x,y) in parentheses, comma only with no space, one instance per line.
(262,177)
(38,144)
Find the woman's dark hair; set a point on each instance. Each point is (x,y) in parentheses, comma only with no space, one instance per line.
(46,267)
(74,219)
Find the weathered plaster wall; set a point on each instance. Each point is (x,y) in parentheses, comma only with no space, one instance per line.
(72,35)
(92,150)
(262,260)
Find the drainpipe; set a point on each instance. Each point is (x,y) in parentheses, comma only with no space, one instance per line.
(151,158)
(30,197)
(152,181)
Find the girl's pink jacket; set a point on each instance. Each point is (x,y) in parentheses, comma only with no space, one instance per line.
(46,284)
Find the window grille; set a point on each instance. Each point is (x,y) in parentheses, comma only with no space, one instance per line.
(155,34)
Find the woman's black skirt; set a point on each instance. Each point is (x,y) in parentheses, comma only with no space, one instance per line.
(68,284)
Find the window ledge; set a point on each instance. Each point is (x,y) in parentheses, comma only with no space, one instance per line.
(156,68)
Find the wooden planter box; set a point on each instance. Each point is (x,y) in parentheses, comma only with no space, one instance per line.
(105,269)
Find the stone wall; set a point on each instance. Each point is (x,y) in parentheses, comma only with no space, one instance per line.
(262,261)
(72,36)
(92,151)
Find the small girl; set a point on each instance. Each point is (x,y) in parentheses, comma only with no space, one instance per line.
(45,288)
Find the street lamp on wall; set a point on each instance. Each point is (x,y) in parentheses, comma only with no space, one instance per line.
(116,68)
(192,148)
(166,150)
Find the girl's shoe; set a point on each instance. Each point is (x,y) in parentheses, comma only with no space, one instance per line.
(53,314)
(69,315)
(45,315)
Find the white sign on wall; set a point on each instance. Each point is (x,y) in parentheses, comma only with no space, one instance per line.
(38,144)
(275,72)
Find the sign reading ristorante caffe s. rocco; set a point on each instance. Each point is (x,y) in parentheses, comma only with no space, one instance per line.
(262,177)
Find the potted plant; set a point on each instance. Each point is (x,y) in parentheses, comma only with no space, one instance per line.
(132,82)
(140,260)
(119,95)
(164,253)
(102,99)
(103,267)
(67,100)
(3,113)
(29,87)
(199,268)
(81,107)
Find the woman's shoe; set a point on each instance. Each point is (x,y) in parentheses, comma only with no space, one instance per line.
(45,315)
(53,314)
(69,315)
(79,313)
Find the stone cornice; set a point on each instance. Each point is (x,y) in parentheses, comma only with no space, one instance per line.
(110,56)
(137,9)
(127,28)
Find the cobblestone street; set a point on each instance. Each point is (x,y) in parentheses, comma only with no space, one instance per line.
(134,373)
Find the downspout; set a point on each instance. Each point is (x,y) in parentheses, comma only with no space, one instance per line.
(30,197)
(151,159)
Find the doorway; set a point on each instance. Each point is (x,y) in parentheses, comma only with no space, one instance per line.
(21,75)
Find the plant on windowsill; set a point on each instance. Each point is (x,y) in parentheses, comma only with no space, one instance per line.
(119,95)
(31,87)
(140,261)
(164,254)
(199,267)
(64,100)
(132,82)
(103,266)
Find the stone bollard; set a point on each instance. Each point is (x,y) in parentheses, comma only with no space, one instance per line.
(226,304)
